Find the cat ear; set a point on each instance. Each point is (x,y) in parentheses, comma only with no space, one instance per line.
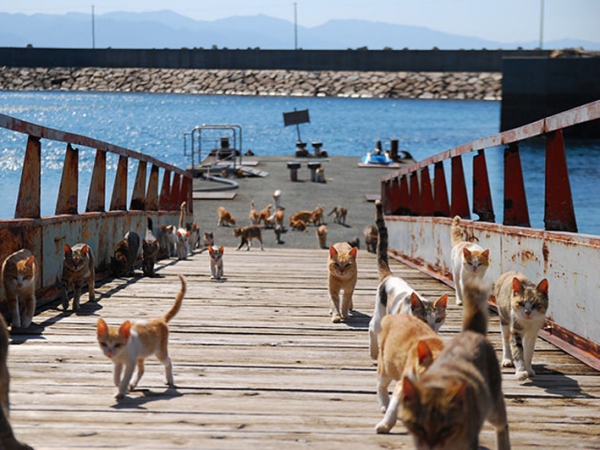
(517,286)
(353,252)
(459,392)
(30,261)
(466,252)
(486,253)
(163,227)
(221,250)
(410,393)
(101,327)
(144,242)
(210,250)
(441,302)
(67,249)
(543,286)
(424,353)
(415,301)
(125,329)
(85,249)
(332,252)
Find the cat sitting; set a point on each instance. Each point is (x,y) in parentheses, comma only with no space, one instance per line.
(469,261)
(407,344)
(395,295)
(342,275)
(225,218)
(19,272)
(522,307)
(322,236)
(247,234)
(446,406)
(370,235)
(216,262)
(132,342)
(150,249)
(78,269)
(126,251)
(208,240)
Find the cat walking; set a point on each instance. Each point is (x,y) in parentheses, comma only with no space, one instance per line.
(131,343)
(19,272)
(247,234)
(522,307)
(122,263)
(150,249)
(342,275)
(78,269)
(216,262)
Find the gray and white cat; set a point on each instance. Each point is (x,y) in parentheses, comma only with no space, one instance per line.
(78,269)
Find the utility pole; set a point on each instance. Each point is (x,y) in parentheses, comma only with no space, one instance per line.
(295,27)
(93,29)
(542,25)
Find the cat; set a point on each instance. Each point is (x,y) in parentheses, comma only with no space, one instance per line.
(355,242)
(78,269)
(132,342)
(317,216)
(322,236)
(126,251)
(468,260)
(263,216)
(445,407)
(194,239)
(169,235)
(278,230)
(19,272)
(395,295)
(279,216)
(299,225)
(150,249)
(182,244)
(216,262)
(208,240)
(253,215)
(370,235)
(407,343)
(247,234)
(225,218)
(340,214)
(7,437)
(342,275)
(522,307)
(303,215)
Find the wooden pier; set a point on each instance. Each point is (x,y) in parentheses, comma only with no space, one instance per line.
(258,364)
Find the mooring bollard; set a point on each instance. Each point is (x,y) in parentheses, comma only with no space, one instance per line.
(313,166)
(293,166)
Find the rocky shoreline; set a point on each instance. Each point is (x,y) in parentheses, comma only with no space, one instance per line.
(422,85)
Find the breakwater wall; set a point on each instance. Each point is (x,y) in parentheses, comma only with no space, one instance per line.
(363,84)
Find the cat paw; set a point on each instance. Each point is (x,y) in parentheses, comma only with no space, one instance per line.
(531,372)
(458,302)
(507,363)
(120,396)
(336,318)
(382,428)
(521,375)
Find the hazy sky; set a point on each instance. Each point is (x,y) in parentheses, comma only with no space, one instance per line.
(499,20)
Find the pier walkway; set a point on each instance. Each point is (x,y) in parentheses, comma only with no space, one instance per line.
(258,364)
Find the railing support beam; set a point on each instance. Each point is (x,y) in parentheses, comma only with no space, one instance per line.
(97,195)
(441,207)
(516,212)
(138,197)
(67,200)
(482,196)
(119,195)
(460,199)
(30,191)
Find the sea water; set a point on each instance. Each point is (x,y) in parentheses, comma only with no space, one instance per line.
(155,124)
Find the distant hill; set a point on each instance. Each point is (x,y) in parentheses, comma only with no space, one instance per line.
(166,29)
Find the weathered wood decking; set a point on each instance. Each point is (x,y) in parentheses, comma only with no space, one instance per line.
(257,364)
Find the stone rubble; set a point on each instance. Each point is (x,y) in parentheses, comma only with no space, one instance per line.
(422,85)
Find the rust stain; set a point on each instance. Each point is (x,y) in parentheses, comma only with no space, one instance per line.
(546,255)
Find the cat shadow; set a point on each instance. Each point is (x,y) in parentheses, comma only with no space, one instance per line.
(556,383)
(147,396)
(358,320)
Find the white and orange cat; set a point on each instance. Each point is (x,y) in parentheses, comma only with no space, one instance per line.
(395,295)
(19,272)
(128,345)
(522,307)
(225,218)
(342,276)
(469,261)
(216,262)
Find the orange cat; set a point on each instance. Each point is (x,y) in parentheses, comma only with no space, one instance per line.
(134,341)
(304,216)
(322,236)
(19,272)
(343,273)
(253,215)
(225,218)
(299,225)
(317,215)
(263,216)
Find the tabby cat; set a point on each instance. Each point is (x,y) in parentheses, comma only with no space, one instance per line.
(522,307)
(406,344)
(7,437)
(469,260)
(247,234)
(395,295)
(322,236)
(342,275)
(370,235)
(339,214)
(216,262)
(19,272)
(78,269)
(150,249)
(446,406)
(133,342)
(126,251)
(225,218)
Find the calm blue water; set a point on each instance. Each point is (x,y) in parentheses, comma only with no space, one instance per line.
(155,124)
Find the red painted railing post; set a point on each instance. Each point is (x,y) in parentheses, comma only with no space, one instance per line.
(97,193)
(175,192)
(441,207)
(415,195)
(119,195)
(395,196)
(30,191)
(165,191)
(186,193)
(426,194)
(138,196)
(559,214)
(152,192)
(460,199)
(516,212)
(66,203)
(404,198)
(482,196)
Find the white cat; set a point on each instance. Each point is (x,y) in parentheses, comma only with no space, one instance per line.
(216,262)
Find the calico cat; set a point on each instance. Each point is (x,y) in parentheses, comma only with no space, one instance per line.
(216,262)
(339,214)
(150,249)
(406,344)
(7,437)
(78,269)
(133,342)
(522,307)
(19,272)
(126,251)
(225,218)
(395,295)
(343,273)
(169,239)
(322,236)
(247,234)
(446,406)
(469,260)
(370,235)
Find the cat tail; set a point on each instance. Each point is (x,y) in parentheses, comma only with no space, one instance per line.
(178,300)
(382,243)
(182,209)
(475,306)
(456,235)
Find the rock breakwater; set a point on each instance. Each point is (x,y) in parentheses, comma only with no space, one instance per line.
(423,85)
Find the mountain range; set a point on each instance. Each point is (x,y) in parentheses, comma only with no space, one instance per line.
(167,29)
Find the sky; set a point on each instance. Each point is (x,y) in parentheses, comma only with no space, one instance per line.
(498,20)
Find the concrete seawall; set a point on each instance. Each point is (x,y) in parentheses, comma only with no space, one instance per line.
(423,85)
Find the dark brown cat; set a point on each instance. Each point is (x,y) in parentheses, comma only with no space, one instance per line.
(126,250)
(78,269)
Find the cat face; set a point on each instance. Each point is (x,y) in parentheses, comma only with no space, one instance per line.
(476,261)
(530,303)
(113,340)
(76,260)
(216,254)
(433,313)
(342,264)
(24,275)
